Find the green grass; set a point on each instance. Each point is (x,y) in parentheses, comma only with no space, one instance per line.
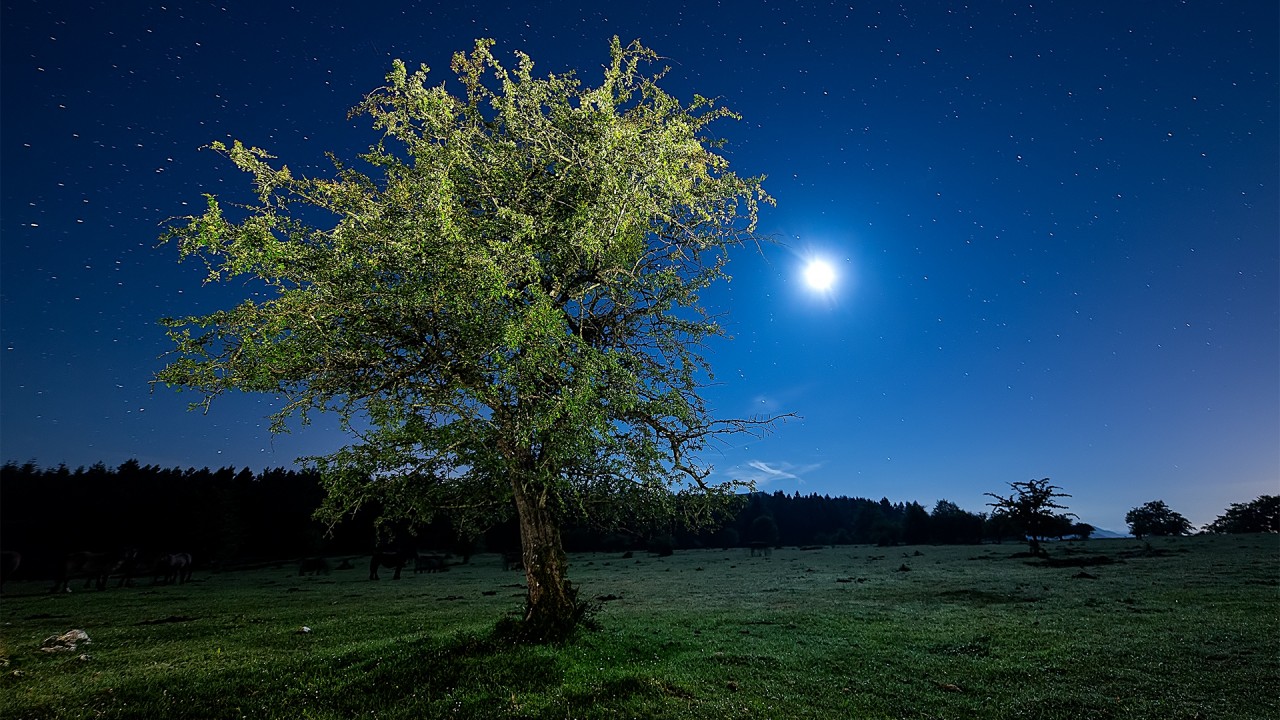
(1181,629)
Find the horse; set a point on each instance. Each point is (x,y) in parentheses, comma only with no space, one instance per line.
(175,568)
(9,562)
(95,568)
(390,559)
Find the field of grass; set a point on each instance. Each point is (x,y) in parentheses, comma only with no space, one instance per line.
(1176,629)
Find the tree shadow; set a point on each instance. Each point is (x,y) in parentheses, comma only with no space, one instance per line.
(471,676)
(487,677)
(471,673)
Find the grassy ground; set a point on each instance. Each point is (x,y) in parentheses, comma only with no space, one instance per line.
(1178,629)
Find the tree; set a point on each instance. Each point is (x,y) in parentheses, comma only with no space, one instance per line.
(951,525)
(1083,530)
(1030,506)
(915,524)
(764,529)
(505,315)
(1156,519)
(1261,515)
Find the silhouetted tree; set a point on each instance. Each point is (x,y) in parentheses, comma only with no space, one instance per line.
(915,524)
(1031,507)
(1156,519)
(764,529)
(950,525)
(1257,516)
(1083,530)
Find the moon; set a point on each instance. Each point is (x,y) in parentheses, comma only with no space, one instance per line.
(819,275)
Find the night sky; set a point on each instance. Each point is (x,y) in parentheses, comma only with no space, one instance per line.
(1055,227)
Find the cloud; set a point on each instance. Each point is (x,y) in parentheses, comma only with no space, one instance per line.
(772,472)
(762,473)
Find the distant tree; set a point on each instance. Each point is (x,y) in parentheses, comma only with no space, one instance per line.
(915,524)
(950,525)
(1031,507)
(1156,519)
(507,308)
(1083,530)
(997,526)
(728,537)
(1058,526)
(1258,516)
(879,523)
(764,529)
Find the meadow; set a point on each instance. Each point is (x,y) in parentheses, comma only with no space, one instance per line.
(1176,629)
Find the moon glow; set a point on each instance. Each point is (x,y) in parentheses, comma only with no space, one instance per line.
(819,274)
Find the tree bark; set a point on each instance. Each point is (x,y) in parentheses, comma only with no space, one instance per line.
(552,611)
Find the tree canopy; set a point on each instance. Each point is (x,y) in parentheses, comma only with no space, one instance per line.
(1156,519)
(503,309)
(1261,515)
(1031,507)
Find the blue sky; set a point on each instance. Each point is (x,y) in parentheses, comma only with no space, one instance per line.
(1055,227)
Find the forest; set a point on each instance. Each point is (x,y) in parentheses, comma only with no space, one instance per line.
(228,517)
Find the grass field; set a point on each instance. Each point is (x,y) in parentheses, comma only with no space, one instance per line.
(1177,629)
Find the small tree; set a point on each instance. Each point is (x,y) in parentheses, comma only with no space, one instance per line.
(764,529)
(1030,506)
(1156,519)
(1083,530)
(1258,516)
(505,313)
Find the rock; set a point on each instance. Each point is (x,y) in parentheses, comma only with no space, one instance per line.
(66,642)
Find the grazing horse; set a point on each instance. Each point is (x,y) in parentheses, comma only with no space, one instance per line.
(9,562)
(95,568)
(390,559)
(175,568)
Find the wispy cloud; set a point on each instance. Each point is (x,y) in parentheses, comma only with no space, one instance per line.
(762,473)
(772,472)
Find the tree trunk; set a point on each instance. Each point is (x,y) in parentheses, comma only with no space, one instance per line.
(552,611)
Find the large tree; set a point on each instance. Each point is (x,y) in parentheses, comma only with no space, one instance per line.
(504,310)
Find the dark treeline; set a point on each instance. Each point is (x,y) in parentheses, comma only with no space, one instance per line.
(823,520)
(219,516)
(228,517)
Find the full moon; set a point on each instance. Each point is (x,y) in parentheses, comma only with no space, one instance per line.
(819,275)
